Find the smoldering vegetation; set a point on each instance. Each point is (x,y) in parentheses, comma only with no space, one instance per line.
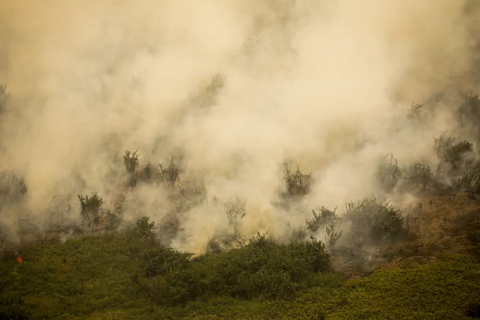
(249,120)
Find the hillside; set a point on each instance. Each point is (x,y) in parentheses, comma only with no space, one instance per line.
(239,159)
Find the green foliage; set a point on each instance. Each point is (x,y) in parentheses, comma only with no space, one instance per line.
(260,269)
(372,221)
(297,183)
(263,269)
(443,290)
(145,227)
(162,261)
(101,278)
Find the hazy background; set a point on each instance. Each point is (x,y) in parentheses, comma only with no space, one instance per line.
(303,80)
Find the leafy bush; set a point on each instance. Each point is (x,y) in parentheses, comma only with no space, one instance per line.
(373,221)
(93,215)
(161,261)
(267,270)
(260,269)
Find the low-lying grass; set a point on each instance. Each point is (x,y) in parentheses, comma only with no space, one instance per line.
(128,275)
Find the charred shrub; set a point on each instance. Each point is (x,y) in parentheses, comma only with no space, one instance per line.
(372,221)
(332,236)
(130,160)
(321,218)
(297,183)
(12,188)
(450,152)
(417,177)
(3,97)
(170,173)
(468,112)
(470,182)
(388,173)
(415,114)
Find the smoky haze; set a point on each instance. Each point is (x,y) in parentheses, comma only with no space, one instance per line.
(292,80)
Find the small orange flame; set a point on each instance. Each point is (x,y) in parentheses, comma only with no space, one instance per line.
(19,259)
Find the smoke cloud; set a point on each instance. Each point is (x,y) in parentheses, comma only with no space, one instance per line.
(298,80)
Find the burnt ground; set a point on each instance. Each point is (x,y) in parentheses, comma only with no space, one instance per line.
(438,227)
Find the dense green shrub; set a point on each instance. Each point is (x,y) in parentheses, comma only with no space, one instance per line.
(260,269)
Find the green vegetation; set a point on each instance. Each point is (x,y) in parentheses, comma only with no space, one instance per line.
(128,275)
